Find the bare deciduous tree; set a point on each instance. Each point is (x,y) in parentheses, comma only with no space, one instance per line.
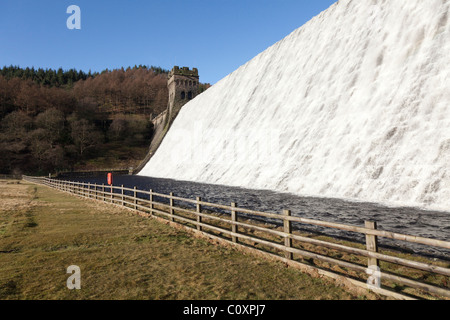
(84,134)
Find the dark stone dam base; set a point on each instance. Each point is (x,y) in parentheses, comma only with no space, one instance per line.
(405,220)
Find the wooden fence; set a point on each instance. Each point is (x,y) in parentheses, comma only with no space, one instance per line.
(89,173)
(10,177)
(402,277)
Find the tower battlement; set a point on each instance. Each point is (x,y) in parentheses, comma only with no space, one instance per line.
(184,71)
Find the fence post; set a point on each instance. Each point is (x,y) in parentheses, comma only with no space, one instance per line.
(89,190)
(372,243)
(95,190)
(199,210)
(121,191)
(151,202)
(171,207)
(288,230)
(135,199)
(234,219)
(103,192)
(111,190)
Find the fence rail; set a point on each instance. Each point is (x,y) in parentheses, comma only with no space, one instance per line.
(10,177)
(282,242)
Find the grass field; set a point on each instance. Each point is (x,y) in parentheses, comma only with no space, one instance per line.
(125,256)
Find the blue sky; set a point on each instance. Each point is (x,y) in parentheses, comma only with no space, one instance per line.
(215,36)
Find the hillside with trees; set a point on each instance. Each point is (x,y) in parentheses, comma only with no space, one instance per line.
(55,120)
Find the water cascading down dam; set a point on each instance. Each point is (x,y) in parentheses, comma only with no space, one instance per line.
(354,105)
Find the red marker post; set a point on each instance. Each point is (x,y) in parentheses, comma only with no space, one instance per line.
(110,179)
(110,182)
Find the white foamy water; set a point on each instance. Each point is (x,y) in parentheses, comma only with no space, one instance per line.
(355,105)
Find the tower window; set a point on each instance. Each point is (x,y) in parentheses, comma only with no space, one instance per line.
(190,95)
(183,95)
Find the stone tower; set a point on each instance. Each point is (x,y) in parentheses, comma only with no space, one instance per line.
(183,86)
